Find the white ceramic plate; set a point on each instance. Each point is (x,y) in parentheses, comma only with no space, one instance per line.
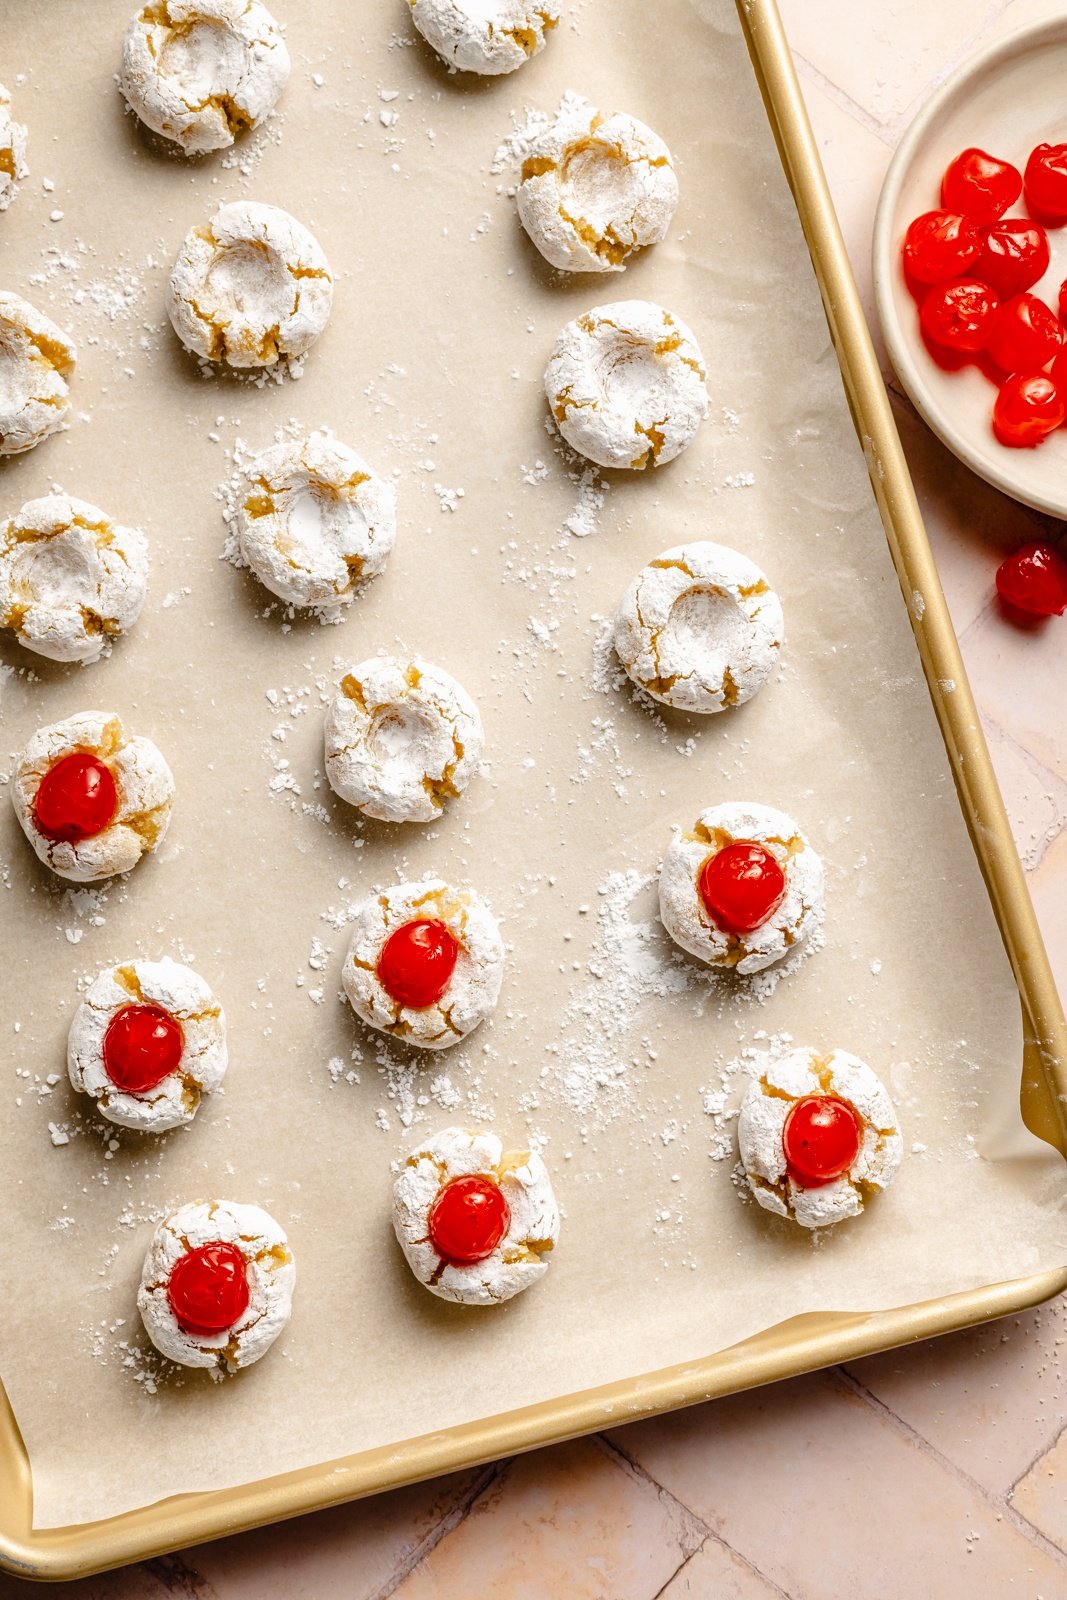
(1005,100)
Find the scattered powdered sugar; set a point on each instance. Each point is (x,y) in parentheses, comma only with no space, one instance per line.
(631,961)
(722,1100)
(583,520)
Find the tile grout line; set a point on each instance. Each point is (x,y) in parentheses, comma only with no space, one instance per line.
(842,99)
(1002,1507)
(900,124)
(636,1470)
(634,1466)
(1032,1464)
(453,1517)
(715,1538)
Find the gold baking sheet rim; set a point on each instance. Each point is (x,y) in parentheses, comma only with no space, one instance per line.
(801,1344)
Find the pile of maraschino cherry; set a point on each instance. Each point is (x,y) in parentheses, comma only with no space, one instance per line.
(970,268)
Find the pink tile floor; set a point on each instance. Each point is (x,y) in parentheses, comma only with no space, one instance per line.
(932,1473)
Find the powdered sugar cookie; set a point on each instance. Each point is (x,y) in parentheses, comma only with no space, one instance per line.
(250,287)
(487,36)
(700,628)
(200,72)
(92,799)
(313,520)
(595,187)
(742,889)
(425,963)
(475,1224)
(818,1136)
(70,578)
(402,739)
(217,1285)
(36,363)
(626,385)
(147,1043)
(13,166)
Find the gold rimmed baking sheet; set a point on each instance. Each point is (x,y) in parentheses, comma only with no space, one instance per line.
(435,280)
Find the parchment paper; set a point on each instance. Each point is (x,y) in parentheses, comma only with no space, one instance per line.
(432,364)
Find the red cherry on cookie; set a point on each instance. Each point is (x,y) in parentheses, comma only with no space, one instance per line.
(142,1046)
(821,1139)
(980,186)
(1014,255)
(941,245)
(1024,334)
(468,1219)
(957,316)
(1028,408)
(1045,183)
(208,1289)
(417,962)
(77,799)
(1034,580)
(741,886)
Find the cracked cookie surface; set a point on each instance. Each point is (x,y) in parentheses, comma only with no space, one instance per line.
(486,36)
(474,987)
(625,383)
(766,1105)
(188,999)
(314,521)
(700,628)
(520,1258)
(687,919)
(13,166)
(271,1277)
(403,738)
(594,188)
(37,361)
(200,72)
(250,288)
(71,579)
(144,788)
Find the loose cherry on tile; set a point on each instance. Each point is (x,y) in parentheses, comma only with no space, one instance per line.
(142,1045)
(208,1288)
(1014,255)
(980,186)
(1024,334)
(821,1139)
(1045,183)
(1034,580)
(940,245)
(956,318)
(1028,408)
(416,963)
(76,799)
(741,886)
(468,1219)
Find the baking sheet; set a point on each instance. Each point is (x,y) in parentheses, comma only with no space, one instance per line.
(604,1045)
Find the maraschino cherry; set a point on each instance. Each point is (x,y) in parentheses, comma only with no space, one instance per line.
(941,245)
(980,186)
(821,1139)
(208,1289)
(76,799)
(1024,334)
(1034,580)
(958,316)
(1028,408)
(417,962)
(468,1219)
(142,1045)
(1045,182)
(1014,255)
(742,885)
